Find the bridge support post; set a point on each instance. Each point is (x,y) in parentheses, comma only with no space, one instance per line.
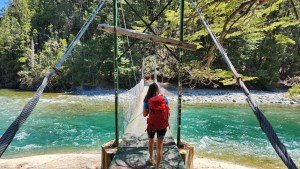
(116,73)
(108,151)
(180,71)
(187,155)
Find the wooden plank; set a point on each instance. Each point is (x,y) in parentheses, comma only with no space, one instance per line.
(154,38)
(108,153)
(138,157)
(133,156)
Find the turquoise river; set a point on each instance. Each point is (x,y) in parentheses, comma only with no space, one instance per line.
(64,123)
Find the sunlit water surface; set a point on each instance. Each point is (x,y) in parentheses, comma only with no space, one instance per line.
(64,123)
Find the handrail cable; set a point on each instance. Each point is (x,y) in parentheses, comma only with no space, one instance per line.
(9,134)
(264,123)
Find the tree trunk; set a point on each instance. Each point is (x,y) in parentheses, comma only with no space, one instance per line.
(294,9)
(32,57)
(211,53)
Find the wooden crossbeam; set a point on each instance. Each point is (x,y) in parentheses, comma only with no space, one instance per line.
(154,38)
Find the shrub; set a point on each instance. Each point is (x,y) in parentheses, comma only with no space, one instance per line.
(294,92)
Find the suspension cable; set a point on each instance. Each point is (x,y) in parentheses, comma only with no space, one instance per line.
(130,53)
(155,64)
(264,123)
(143,67)
(147,27)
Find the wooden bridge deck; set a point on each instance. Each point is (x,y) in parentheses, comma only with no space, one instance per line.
(133,149)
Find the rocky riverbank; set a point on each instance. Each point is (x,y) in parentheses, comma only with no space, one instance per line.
(191,96)
(236,96)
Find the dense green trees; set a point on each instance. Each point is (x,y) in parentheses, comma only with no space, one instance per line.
(260,37)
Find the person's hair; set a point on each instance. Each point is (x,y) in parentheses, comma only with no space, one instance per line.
(152,91)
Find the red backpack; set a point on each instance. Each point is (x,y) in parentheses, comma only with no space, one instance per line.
(158,113)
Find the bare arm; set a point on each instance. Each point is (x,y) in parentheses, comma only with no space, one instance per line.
(169,113)
(145,112)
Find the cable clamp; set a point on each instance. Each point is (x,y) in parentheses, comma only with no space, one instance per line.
(238,80)
(57,71)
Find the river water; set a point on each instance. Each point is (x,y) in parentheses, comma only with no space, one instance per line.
(64,123)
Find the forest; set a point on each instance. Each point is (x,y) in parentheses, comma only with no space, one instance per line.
(262,39)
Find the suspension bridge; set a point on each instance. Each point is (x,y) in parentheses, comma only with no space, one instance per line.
(132,149)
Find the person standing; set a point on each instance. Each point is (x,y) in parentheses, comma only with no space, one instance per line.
(158,112)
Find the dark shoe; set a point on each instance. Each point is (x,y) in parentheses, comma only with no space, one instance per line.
(150,162)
